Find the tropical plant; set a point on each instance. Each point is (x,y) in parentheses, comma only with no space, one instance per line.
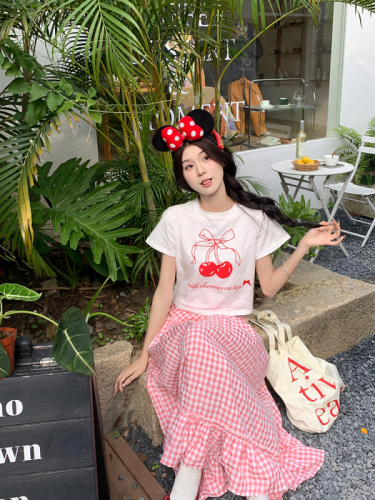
(79,212)
(349,152)
(30,107)
(138,322)
(74,263)
(72,345)
(116,59)
(300,211)
(72,348)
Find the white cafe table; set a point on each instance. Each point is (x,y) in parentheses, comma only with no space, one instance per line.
(306,181)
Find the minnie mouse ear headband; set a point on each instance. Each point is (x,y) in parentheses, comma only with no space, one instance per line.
(195,125)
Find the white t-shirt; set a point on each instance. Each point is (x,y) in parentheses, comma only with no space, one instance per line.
(215,255)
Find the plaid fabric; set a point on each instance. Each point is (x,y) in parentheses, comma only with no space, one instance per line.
(206,381)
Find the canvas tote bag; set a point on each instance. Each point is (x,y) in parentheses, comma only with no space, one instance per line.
(310,387)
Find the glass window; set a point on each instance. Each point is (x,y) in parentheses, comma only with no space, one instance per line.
(281,78)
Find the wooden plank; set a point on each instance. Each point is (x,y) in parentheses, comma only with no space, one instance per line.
(48,446)
(77,484)
(121,479)
(101,470)
(123,461)
(45,397)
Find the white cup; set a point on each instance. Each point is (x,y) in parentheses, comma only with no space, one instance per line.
(265,103)
(330,160)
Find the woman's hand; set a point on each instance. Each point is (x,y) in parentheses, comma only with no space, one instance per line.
(130,373)
(326,235)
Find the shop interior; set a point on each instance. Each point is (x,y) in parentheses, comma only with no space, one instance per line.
(281,78)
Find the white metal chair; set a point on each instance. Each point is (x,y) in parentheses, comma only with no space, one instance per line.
(353,189)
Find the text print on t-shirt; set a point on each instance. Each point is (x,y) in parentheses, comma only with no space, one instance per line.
(221,269)
(199,285)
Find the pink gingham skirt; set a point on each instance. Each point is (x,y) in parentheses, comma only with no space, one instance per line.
(205,378)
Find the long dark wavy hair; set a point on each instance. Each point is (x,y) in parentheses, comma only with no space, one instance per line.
(233,188)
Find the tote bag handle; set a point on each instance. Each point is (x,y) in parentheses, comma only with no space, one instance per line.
(282,334)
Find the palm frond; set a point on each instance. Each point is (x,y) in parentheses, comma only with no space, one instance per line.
(248,182)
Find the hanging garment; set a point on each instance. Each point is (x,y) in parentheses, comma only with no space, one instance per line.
(240,91)
(228,128)
(205,378)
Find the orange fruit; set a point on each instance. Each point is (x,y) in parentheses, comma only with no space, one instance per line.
(364,431)
(312,162)
(305,160)
(300,162)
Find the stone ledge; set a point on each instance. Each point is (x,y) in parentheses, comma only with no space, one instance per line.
(330,312)
(134,406)
(330,315)
(140,411)
(110,360)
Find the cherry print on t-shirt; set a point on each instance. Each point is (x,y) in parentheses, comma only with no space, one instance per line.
(208,268)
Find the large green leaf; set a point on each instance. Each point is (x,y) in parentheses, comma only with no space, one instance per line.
(72,347)
(78,210)
(36,110)
(13,70)
(19,86)
(4,363)
(54,101)
(12,291)
(37,91)
(102,267)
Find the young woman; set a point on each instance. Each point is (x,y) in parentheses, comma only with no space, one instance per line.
(206,364)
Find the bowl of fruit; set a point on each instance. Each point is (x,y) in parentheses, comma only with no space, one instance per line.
(305,164)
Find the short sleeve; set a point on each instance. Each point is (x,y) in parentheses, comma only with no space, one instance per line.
(162,237)
(270,236)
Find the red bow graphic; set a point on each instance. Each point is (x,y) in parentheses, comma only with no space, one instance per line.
(214,244)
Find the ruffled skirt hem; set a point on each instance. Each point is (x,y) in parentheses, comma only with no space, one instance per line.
(236,463)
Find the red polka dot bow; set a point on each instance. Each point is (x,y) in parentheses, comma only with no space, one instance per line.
(192,127)
(189,131)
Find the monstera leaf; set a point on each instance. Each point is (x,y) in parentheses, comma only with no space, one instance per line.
(72,347)
(12,291)
(4,363)
(79,211)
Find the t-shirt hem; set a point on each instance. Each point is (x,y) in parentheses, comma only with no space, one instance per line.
(205,312)
(272,248)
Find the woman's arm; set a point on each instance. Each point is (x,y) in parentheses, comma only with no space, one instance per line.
(272,280)
(161,304)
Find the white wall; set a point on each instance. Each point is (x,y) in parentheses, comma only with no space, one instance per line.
(81,143)
(358,96)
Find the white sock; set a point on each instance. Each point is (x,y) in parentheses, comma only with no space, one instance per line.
(186,484)
(259,497)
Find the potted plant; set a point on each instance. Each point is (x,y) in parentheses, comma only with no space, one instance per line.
(349,152)
(72,346)
(366,169)
(8,335)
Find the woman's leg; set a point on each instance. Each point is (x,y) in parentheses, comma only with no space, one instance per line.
(186,484)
